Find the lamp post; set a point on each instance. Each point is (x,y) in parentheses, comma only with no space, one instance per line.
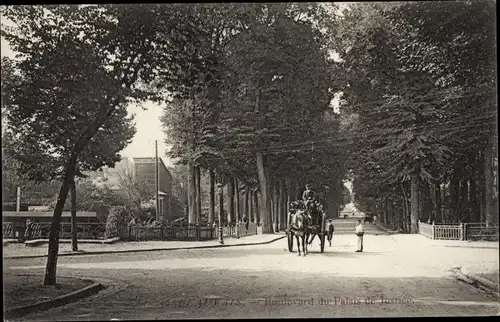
(221,210)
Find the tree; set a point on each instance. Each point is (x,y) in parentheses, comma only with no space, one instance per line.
(135,191)
(46,165)
(412,100)
(51,42)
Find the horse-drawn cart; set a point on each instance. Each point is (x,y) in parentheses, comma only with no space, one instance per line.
(312,230)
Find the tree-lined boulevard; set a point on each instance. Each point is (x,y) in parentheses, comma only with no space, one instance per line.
(258,100)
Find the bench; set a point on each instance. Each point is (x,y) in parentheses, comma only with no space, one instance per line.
(7,230)
(34,234)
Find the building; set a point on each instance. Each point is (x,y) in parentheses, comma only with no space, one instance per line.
(145,170)
(141,169)
(111,177)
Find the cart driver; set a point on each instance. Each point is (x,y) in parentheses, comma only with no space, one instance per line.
(308,195)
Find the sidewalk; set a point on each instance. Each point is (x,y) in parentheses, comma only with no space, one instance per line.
(20,251)
(24,293)
(420,240)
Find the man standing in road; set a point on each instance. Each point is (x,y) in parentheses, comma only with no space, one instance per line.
(245,221)
(359,234)
(330,231)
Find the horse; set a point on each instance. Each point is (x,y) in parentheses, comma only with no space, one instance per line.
(299,225)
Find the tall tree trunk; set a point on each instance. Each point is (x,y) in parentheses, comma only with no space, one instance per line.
(187,196)
(491,183)
(257,208)
(298,192)
(237,199)
(407,214)
(482,205)
(211,213)
(288,201)
(282,207)
(275,207)
(265,209)
(230,194)
(386,210)
(443,203)
(403,214)
(198,194)
(427,203)
(454,198)
(438,204)
(74,241)
(221,208)
(246,208)
(415,208)
(393,215)
(474,201)
(192,193)
(462,201)
(251,214)
(51,267)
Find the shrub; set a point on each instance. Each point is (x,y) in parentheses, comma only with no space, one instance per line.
(117,217)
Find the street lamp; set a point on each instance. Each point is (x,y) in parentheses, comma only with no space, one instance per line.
(221,209)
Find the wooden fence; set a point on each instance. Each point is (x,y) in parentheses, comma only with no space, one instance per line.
(479,231)
(426,230)
(462,231)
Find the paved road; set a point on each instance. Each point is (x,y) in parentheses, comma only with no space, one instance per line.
(347,226)
(388,279)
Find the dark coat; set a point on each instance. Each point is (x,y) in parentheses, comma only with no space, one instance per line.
(308,194)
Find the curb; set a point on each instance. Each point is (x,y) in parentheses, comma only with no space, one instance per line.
(36,242)
(481,281)
(484,282)
(58,301)
(387,230)
(144,250)
(475,280)
(467,246)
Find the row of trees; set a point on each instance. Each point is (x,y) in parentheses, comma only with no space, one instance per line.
(420,93)
(251,121)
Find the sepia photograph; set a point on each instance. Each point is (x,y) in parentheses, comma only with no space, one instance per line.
(176,161)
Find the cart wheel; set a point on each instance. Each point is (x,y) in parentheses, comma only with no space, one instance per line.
(322,243)
(290,241)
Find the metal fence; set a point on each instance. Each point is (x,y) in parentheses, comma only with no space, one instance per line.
(238,230)
(42,230)
(8,230)
(160,233)
(97,231)
(462,231)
